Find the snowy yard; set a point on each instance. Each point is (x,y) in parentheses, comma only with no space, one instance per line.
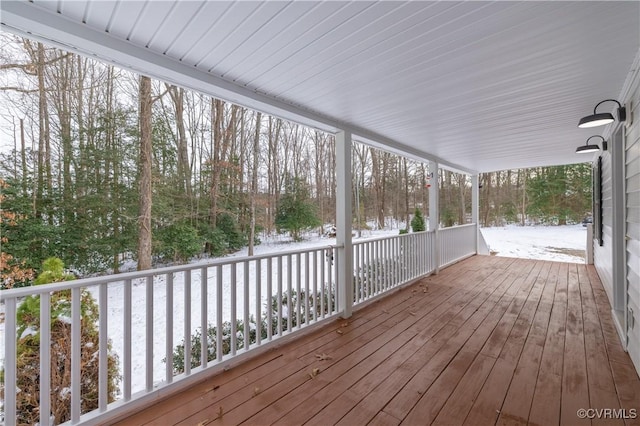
(558,243)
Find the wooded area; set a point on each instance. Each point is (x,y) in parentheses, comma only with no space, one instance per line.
(107,166)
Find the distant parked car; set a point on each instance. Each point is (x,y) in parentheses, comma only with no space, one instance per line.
(587,219)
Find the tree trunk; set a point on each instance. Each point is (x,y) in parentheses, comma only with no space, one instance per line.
(380,164)
(319,176)
(44,159)
(254,184)
(221,141)
(217,106)
(23,159)
(524,197)
(184,168)
(274,168)
(144,170)
(406,193)
(462,182)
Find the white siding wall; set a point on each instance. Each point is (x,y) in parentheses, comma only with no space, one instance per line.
(621,228)
(632,184)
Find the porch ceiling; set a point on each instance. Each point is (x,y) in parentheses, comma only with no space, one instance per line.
(476,85)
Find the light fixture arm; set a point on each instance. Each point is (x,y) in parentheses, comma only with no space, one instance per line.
(594,136)
(622,112)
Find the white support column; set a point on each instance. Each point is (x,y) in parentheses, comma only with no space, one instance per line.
(434,210)
(475,206)
(343,224)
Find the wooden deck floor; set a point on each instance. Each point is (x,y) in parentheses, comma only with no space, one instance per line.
(487,341)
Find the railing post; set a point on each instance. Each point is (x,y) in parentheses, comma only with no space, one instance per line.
(475,208)
(343,224)
(589,243)
(10,367)
(434,212)
(45,359)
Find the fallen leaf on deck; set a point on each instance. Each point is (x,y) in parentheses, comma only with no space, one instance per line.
(220,412)
(412,313)
(344,324)
(384,311)
(256,391)
(420,392)
(314,373)
(339,332)
(323,357)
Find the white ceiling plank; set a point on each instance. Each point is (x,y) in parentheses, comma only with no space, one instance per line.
(150,19)
(237,31)
(243,55)
(270,63)
(125,15)
(263,59)
(322,52)
(197,30)
(178,22)
(98,13)
(220,28)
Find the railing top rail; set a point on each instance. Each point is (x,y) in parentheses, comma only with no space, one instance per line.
(466,225)
(88,282)
(390,237)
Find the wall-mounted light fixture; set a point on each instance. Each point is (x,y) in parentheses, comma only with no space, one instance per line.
(586,148)
(600,119)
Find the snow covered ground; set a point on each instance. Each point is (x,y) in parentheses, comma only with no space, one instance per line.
(558,243)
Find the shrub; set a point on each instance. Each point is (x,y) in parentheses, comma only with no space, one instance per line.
(417,222)
(28,352)
(276,306)
(178,242)
(235,238)
(215,241)
(296,212)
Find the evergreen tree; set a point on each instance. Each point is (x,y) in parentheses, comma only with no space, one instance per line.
(417,223)
(296,212)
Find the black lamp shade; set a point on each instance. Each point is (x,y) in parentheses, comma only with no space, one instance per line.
(586,149)
(595,120)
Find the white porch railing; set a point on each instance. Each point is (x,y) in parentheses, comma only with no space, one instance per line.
(144,315)
(456,243)
(384,263)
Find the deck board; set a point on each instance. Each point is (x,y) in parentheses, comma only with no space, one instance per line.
(489,340)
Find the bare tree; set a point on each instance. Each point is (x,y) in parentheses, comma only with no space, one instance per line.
(221,141)
(144,167)
(184,168)
(254,183)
